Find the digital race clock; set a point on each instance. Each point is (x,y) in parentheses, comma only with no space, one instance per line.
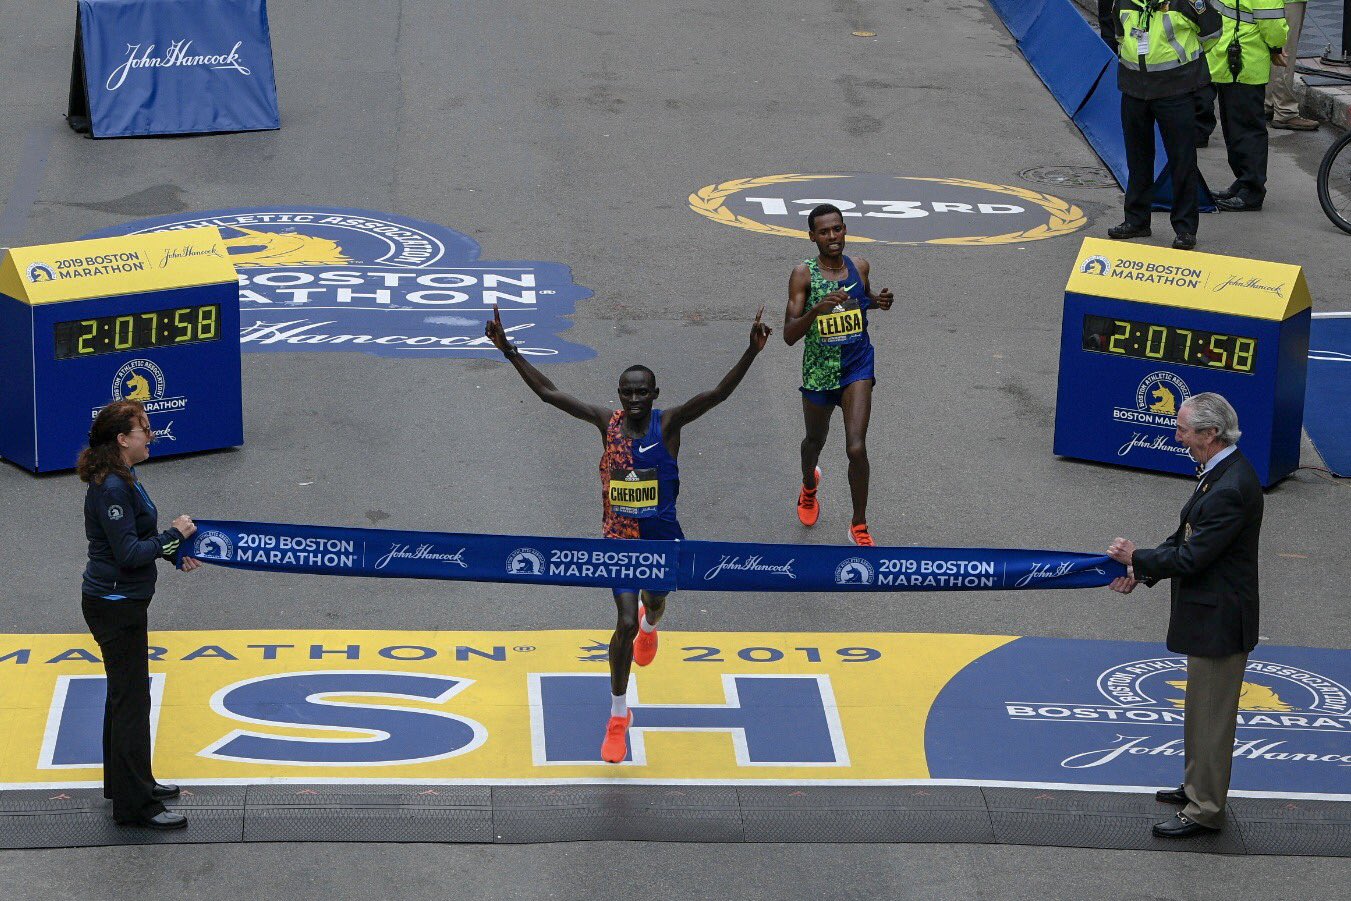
(1146,328)
(150,318)
(1169,343)
(137,331)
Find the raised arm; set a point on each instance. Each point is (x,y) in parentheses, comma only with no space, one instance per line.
(697,406)
(538,382)
(798,318)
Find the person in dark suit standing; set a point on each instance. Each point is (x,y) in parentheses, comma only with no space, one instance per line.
(1212,562)
(119,580)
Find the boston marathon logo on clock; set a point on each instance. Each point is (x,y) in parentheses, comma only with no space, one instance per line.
(142,380)
(325,279)
(892,209)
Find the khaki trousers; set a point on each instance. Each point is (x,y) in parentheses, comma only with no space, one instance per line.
(1281,100)
(1208,726)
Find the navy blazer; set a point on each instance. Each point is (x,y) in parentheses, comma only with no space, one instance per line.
(1212,562)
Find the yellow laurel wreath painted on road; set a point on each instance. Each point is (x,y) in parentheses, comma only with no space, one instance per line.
(708,201)
(1064,217)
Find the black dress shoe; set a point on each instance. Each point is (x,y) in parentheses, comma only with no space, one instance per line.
(1184,241)
(1237,204)
(1181,827)
(1222,195)
(1125,230)
(1171,795)
(164,820)
(164,792)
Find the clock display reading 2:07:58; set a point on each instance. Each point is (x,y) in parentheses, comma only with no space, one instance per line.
(1170,344)
(137,331)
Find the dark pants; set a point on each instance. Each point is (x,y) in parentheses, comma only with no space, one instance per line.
(1107,22)
(1245,138)
(1205,113)
(119,627)
(1176,118)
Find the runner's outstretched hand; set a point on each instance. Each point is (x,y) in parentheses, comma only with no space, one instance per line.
(759,331)
(495,333)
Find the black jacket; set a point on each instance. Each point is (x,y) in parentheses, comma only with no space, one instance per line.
(1212,560)
(120,522)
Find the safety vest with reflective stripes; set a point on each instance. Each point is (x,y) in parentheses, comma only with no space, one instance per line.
(1160,44)
(1259,27)
(1170,37)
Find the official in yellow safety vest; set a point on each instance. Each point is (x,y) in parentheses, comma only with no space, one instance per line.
(1161,64)
(1251,39)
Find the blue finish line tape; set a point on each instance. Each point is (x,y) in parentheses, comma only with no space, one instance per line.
(653,565)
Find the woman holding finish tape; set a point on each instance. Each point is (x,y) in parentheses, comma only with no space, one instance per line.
(120,522)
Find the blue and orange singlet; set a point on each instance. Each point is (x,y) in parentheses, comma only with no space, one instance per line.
(640,481)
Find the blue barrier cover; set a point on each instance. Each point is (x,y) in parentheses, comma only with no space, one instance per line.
(1018,15)
(1066,53)
(1099,118)
(1327,404)
(654,565)
(177,66)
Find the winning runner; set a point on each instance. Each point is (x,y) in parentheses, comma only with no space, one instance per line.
(639,484)
(828,302)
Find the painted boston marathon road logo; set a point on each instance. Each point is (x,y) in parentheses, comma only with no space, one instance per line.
(322,279)
(892,209)
(1110,713)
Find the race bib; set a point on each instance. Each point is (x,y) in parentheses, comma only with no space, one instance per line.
(633,492)
(842,325)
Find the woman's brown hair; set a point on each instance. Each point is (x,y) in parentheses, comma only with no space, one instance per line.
(104,455)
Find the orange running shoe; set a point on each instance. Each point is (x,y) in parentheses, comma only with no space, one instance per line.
(859,535)
(616,744)
(644,643)
(808,509)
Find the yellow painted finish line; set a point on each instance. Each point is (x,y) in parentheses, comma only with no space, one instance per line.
(310,706)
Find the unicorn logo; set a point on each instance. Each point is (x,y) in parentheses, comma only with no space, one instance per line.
(1096,265)
(1164,401)
(1160,393)
(136,387)
(1252,697)
(525,561)
(41,272)
(255,248)
(213,545)
(854,571)
(138,380)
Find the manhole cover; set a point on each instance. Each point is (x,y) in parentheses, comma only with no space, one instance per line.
(1076,176)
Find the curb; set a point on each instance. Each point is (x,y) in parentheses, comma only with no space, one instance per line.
(1327,103)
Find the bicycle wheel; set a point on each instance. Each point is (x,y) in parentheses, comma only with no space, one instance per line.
(1334,183)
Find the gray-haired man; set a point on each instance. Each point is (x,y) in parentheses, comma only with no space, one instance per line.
(1212,562)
